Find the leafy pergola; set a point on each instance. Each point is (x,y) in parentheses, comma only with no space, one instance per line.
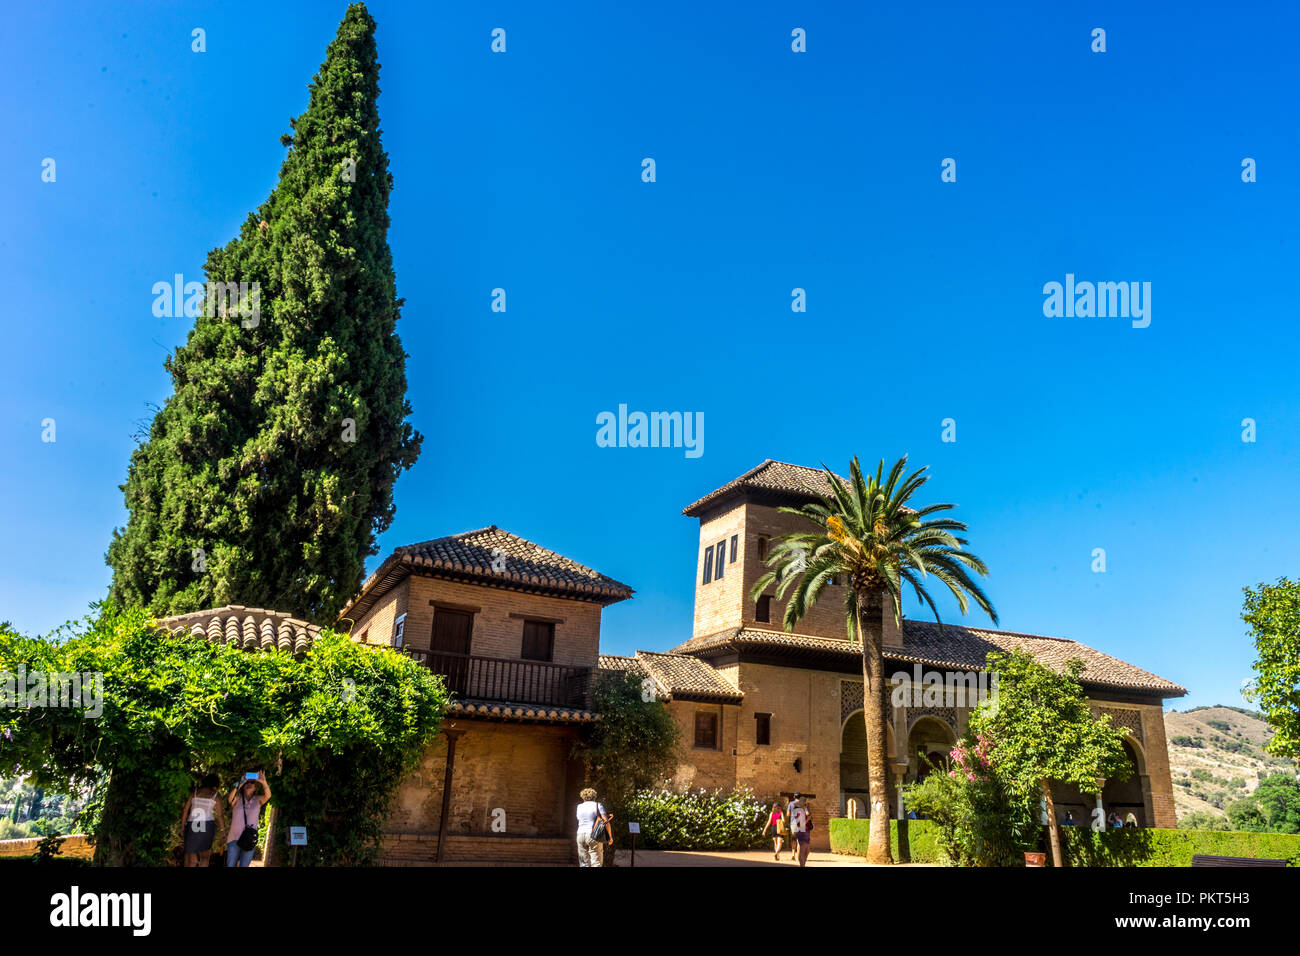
(335,730)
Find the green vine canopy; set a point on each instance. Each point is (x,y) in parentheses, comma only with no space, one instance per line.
(335,731)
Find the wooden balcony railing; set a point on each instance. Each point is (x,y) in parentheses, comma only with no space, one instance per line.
(509,680)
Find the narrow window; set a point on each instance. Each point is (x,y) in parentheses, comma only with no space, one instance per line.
(708,564)
(763,729)
(735,548)
(762,547)
(539,641)
(706,730)
(399,629)
(763,610)
(722,558)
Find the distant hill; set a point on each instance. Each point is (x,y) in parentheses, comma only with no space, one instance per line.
(1216,755)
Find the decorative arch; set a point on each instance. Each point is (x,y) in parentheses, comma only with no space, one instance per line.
(934,735)
(856,716)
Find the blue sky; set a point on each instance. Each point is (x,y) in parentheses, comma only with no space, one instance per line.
(775,170)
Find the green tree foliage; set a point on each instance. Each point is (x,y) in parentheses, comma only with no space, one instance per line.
(1273,613)
(334,731)
(252,487)
(867,534)
(1041,731)
(1203,820)
(634,743)
(1273,807)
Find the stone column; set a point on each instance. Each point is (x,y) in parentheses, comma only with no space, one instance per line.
(900,773)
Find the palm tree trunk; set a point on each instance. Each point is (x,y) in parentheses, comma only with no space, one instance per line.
(871,633)
(1052,828)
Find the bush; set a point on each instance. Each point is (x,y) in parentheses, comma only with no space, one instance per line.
(1156,847)
(923,844)
(698,819)
(981,822)
(1203,820)
(14,831)
(1083,847)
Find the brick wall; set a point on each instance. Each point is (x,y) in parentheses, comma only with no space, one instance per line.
(376,627)
(1157,766)
(422,850)
(805,709)
(496,633)
(726,604)
(718,603)
(523,769)
(700,767)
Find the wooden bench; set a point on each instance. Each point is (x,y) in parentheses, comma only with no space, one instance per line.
(1201,859)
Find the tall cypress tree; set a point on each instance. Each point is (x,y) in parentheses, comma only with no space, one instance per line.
(268,473)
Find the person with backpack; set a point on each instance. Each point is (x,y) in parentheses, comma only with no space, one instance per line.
(594,830)
(801,827)
(789,822)
(246,802)
(202,819)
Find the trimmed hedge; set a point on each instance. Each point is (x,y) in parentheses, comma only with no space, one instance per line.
(1084,848)
(850,838)
(1159,847)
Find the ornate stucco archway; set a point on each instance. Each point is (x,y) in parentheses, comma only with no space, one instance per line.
(930,738)
(853,761)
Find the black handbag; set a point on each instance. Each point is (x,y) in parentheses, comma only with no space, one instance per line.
(598,828)
(248,839)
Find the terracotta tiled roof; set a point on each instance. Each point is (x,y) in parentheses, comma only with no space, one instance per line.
(247,627)
(613,662)
(773,477)
(957,647)
(493,557)
(536,713)
(677,676)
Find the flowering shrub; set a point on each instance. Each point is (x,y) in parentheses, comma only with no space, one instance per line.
(698,819)
(970,760)
(981,822)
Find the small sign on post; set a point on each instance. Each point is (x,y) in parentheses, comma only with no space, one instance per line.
(633,829)
(297,838)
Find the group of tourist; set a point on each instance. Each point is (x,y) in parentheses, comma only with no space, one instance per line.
(794,821)
(204,817)
(1113,820)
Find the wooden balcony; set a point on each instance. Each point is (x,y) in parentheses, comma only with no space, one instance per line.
(509,680)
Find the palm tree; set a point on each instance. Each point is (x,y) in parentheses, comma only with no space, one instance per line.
(867,535)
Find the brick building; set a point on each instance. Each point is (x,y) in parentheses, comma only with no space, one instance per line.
(783,711)
(515,629)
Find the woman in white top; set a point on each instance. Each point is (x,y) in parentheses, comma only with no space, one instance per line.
(201,819)
(590,849)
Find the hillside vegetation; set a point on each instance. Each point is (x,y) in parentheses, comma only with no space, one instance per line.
(1216,756)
